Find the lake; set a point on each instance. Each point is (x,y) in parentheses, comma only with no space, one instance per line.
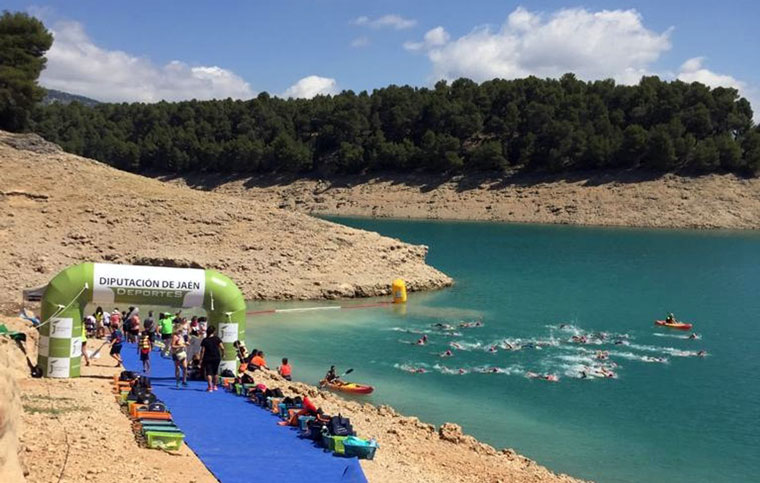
(666,415)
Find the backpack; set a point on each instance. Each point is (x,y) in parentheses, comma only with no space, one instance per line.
(127,376)
(143,395)
(313,430)
(142,382)
(158,406)
(340,426)
(246,379)
(227,373)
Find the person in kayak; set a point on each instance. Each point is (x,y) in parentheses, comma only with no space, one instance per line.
(331,377)
(670,319)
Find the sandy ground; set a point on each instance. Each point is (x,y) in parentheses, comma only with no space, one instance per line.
(57,209)
(607,198)
(73,429)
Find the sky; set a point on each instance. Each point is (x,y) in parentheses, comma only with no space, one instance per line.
(147,51)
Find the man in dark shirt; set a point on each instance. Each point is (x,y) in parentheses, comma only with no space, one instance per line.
(212,351)
(150,325)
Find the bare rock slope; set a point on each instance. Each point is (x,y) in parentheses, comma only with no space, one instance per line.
(601,198)
(57,209)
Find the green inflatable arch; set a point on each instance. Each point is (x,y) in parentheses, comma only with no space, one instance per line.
(67,295)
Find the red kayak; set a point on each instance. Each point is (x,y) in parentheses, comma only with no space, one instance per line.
(674,325)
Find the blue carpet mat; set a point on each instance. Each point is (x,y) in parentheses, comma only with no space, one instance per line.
(237,440)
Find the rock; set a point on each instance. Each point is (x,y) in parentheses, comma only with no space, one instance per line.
(450,432)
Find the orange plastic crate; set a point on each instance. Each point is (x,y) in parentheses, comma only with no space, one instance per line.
(164,416)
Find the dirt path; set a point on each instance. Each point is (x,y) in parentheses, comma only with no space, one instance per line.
(74,430)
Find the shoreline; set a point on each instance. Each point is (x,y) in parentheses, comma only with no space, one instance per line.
(603,199)
(410,450)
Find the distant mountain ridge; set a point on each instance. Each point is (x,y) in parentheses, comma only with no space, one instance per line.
(54,96)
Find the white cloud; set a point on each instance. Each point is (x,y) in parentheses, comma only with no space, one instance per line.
(359,42)
(393,21)
(594,45)
(75,64)
(693,71)
(311,86)
(433,38)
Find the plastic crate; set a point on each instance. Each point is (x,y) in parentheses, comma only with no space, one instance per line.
(164,440)
(360,448)
(334,443)
(160,428)
(134,408)
(160,415)
(303,421)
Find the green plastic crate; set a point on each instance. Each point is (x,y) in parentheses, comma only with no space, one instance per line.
(334,443)
(164,440)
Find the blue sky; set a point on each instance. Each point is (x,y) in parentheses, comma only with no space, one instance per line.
(148,50)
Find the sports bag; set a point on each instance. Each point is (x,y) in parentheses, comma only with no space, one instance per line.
(340,426)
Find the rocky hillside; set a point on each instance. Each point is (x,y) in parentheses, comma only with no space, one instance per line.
(57,209)
(613,198)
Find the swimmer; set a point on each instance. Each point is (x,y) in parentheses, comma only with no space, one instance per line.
(602,355)
(494,369)
(701,353)
(492,349)
(562,326)
(462,371)
(694,336)
(455,345)
(448,353)
(551,377)
(531,375)
(422,341)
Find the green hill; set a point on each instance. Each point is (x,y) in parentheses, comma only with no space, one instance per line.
(54,96)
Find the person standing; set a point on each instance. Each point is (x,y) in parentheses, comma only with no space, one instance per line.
(179,355)
(212,351)
(165,322)
(150,325)
(116,340)
(143,349)
(84,345)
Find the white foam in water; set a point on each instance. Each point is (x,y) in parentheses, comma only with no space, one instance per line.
(464,345)
(417,367)
(677,336)
(448,370)
(511,370)
(636,357)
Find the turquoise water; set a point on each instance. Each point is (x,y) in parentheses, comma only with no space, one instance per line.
(687,419)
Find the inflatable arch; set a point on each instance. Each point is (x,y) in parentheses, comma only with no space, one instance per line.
(69,292)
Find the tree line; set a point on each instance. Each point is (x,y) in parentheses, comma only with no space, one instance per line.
(553,125)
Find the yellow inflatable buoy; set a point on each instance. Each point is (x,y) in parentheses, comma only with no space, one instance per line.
(398,288)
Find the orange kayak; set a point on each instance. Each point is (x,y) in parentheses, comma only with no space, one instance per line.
(351,387)
(676,325)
